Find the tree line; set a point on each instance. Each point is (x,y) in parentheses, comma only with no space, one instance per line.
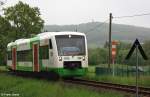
(100,55)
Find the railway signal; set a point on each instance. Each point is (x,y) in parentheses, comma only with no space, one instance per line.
(136,46)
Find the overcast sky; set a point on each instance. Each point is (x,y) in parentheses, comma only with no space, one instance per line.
(62,12)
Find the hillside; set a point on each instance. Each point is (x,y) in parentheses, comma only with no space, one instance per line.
(97,34)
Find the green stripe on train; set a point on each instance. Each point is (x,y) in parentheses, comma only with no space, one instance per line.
(67,72)
(24,68)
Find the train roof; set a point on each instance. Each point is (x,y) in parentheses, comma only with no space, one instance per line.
(59,33)
(41,36)
(10,44)
(21,41)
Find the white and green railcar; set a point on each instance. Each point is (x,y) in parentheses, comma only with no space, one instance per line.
(64,53)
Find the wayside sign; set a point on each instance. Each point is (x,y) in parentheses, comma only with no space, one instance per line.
(136,44)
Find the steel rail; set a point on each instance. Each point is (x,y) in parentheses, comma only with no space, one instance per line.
(118,87)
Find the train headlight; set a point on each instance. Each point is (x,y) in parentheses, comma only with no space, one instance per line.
(60,58)
(83,58)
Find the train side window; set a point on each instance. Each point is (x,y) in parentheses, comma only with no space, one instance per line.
(24,56)
(50,44)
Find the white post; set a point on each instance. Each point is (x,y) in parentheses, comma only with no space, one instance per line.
(113,68)
(137,95)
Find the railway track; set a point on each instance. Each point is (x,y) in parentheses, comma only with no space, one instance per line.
(118,87)
(100,85)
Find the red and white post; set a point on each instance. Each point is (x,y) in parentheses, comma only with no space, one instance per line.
(113,53)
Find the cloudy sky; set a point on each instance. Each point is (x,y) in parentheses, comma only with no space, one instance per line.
(62,12)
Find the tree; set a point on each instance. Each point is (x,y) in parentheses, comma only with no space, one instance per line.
(19,21)
(97,56)
(146,47)
(24,19)
(5,37)
(122,51)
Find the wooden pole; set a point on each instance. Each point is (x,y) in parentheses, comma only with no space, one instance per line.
(109,54)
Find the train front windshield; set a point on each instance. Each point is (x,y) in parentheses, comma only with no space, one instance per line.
(69,45)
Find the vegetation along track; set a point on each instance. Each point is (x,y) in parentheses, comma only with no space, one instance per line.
(118,87)
(98,85)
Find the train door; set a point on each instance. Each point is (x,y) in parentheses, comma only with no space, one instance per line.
(14,58)
(36,58)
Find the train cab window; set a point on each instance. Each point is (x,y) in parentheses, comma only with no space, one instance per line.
(44,52)
(50,44)
(9,55)
(68,45)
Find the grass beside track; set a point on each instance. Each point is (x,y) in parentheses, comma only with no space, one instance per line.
(127,80)
(31,87)
(143,81)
